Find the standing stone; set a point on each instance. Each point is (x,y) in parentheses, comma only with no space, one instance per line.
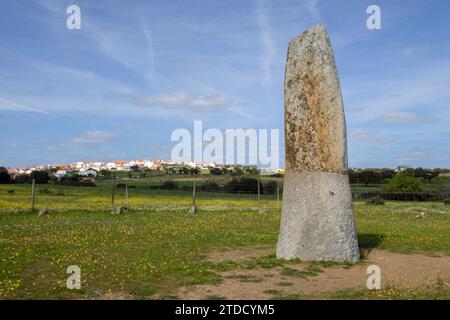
(317,220)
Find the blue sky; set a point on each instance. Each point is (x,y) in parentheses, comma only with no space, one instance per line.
(137,70)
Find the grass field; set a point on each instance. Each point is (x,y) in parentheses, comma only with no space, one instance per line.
(157,246)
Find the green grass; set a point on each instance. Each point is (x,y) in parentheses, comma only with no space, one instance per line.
(157,246)
(298,273)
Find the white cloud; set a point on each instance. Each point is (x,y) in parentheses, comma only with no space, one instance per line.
(93,137)
(312,6)
(398,117)
(368,136)
(270,51)
(182,100)
(8,105)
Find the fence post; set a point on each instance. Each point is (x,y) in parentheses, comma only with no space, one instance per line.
(126,194)
(278,194)
(193,209)
(32,194)
(113,191)
(193,194)
(259,191)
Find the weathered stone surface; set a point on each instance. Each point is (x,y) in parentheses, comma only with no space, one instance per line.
(317,217)
(317,220)
(314,114)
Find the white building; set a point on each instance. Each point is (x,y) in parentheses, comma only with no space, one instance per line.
(88,173)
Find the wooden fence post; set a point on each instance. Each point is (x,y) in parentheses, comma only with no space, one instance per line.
(193,194)
(32,194)
(259,192)
(193,209)
(126,194)
(113,191)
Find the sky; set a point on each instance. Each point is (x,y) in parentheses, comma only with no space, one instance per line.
(137,70)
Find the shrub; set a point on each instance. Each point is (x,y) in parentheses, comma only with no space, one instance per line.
(69,181)
(402,182)
(4,176)
(377,201)
(11,191)
(74,181)
(270,187)
(40,177)
(446,201)
(169,185)
(243,185)
(23,178)
(211,186)
(215,171)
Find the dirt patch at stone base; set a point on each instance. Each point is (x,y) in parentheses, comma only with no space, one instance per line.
(397,270)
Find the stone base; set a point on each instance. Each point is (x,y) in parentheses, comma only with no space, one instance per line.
(317,222)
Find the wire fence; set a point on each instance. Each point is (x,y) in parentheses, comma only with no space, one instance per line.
(253,194)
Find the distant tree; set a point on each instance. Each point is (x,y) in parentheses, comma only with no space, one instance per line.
(430,174)
(210,186)
(194,170)
(387,173)
(52,170)
(184,170)
(419,172)
(105,173)
(252,170)
(270,187)
(23,178)
(215,171)
(369,176)
(403,182)
(135,168)
(40,176)
(4,176)
(243,185)
(237,171)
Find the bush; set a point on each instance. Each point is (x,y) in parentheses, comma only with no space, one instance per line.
(11,191)
(270,187)
(74,181)
(210,186)
(377,201)
(243,185)
(69,181)
(446,201)
(215,171)
(23,178)
(169,185)
(4,176)
(402,182)
(87,184)
(40,177)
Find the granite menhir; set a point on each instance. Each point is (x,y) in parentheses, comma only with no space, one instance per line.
(317,221)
